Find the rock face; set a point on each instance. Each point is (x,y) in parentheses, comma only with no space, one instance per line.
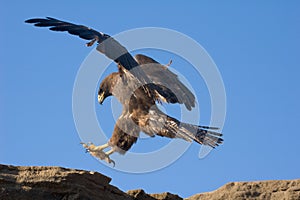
(141,195)
(53,183)
(258,190)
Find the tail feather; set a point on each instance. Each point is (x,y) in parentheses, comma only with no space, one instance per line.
(167,126)
(201,134)
(209,127)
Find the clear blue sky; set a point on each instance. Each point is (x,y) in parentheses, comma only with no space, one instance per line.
(255,45)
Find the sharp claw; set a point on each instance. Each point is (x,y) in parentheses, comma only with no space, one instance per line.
(108,160)
(84,145)
(100,154)
(113,162)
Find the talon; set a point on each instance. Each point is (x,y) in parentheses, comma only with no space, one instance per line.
(84,145)
(108,160)
(113,162)
(97,151)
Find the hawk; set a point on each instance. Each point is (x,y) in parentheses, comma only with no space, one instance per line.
(139,84)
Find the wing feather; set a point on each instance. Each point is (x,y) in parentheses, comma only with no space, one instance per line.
(167,83)
(106,45)
(58,25)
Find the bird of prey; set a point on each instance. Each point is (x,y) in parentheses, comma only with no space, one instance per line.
(140,112)
(139,83)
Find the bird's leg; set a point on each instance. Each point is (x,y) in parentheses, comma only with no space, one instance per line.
(97,151)
(110,152)
(107,158)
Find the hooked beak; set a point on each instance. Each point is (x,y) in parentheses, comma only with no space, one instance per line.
(101,98)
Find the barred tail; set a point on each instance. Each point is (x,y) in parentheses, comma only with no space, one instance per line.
(166,126)
(201,134)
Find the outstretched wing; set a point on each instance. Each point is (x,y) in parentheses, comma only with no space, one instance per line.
(106,44)
(58,25)
(167,84)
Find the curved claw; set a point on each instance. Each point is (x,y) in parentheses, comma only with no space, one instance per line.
(97,152)
(110,161)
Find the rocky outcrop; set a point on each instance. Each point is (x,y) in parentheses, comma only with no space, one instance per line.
(141,195)
(257,190)
(53,183)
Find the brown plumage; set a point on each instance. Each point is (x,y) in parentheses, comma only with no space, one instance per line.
(139,84)
(140,112)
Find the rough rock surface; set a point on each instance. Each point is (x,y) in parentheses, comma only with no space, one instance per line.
(53,183)
(141,195)
(258,190)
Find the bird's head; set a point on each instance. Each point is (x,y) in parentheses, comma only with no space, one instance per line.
(107,86)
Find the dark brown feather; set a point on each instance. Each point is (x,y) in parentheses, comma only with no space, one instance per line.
(166,82)
(140,113)
(106,45)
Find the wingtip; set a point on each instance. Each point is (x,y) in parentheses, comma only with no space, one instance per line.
(51,18)
(33,20)
(37,20)
(28,21)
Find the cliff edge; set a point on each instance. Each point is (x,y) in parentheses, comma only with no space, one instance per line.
(53,183)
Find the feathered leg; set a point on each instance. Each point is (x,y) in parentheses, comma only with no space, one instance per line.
(125,134)
(123,137)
